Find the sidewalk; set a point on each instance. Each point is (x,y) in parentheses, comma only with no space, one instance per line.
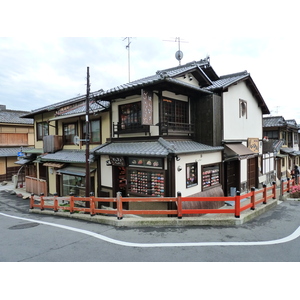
(135,221)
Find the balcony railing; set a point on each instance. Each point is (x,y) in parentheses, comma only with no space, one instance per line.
(171,128)
(119,128)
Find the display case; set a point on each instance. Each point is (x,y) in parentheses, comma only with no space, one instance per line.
(146,183)
(210,176)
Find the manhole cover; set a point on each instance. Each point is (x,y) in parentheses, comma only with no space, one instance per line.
(24,226)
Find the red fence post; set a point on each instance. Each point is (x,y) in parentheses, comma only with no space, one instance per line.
(42,201)
(119,206)
(265,194)
(31,201)
(238,204)
(92,204)
(179,205)
(55,202)
(253,198)
(71,203)
(274,190)
(288,185)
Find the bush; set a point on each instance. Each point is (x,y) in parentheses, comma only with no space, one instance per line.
(295,191)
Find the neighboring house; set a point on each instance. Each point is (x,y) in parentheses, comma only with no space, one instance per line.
(60,143)
(281,140)
(16,135)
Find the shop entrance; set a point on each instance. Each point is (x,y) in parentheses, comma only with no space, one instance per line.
(120,182)
(232,176)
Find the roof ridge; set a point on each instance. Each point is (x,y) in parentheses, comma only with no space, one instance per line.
(234,74)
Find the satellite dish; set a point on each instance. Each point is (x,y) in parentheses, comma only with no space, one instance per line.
(179,55)
(76,140)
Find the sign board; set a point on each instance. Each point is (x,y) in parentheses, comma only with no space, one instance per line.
(253,144)
(147,114)
(21,154)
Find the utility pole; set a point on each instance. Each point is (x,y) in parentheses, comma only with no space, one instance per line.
(87,138)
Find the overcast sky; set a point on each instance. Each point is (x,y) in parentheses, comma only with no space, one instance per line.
(38,68)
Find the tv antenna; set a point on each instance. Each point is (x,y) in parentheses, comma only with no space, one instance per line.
(179,53)
(128,48)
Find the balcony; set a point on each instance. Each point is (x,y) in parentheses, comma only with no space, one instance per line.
(52,143)
(175,128)
(119,128)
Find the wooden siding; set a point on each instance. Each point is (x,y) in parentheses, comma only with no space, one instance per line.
(13,139)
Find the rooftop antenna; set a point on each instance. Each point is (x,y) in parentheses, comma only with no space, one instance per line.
(128,48)
(179,53)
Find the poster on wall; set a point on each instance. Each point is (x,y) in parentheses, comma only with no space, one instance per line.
(147,109)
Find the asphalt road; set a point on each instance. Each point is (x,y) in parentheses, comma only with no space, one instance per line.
(26,237)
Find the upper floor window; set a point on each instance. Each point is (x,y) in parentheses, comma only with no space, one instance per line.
(130,115)
(70,130)
(95,135)
(175,111)
(243,109)
(42,130)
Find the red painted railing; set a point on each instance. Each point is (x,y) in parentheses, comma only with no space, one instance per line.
(56,203)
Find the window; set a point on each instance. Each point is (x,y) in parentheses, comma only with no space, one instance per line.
(73,184)
(191,175)
(273,134)
(130,115)
(95,135)
(42,130)
(243,109)
(70,130)
(175,111)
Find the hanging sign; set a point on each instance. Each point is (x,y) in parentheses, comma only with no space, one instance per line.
(253,144)
(147,110)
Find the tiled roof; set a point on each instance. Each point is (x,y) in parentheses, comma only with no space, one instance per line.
(161,148)
(11,151)
(13,117)
(67,156)
(274,121)
(81,109)
(227,80)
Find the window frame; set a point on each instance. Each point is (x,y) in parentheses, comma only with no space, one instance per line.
(44,128)
(243,108)
(133,111)
(91,132)
(191,174)
(69,142)
(171,109)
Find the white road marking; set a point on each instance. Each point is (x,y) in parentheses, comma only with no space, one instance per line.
(289,238)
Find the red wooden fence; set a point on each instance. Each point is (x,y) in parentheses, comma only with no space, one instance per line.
(56,203)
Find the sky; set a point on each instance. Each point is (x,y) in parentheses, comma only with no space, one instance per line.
(45,52)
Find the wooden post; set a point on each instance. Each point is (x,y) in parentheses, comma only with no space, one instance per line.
(265,194)
(119,206)
(179,205)
(55,202)
(238,204)
(42,201)
(253,198)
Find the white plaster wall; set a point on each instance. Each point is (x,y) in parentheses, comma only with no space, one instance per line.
(236,128)
(201,159)
(106,172)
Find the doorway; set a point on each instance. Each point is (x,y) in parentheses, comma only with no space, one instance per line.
(232,176)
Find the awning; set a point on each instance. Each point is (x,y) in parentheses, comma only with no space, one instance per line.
(76,171)
(238,151)
(23,161)
(53,165)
